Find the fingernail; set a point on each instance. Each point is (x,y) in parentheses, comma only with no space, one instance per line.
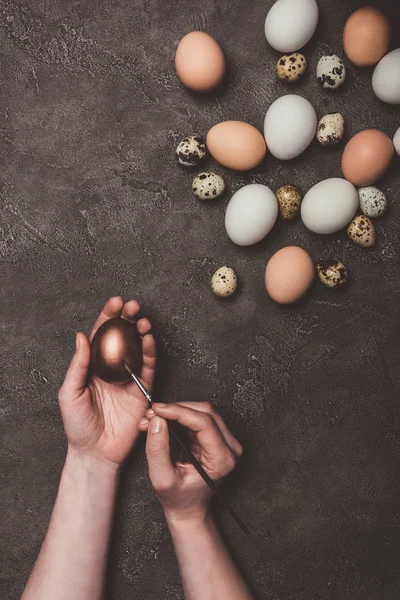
(78,341)
(155,425)
(160,405)
(151,413)
(143,421)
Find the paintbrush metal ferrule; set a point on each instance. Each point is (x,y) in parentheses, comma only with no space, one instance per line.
(139,384)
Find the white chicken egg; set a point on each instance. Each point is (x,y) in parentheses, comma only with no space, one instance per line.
(329,205)
(251,214)
(289,126)
(386,78)
(396,141)
(290,24)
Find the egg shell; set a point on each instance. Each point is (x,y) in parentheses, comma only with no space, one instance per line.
(366,157)
(361,231)
(289,274)
(224,282)
(330,130)
(396,141)
(366,36)
(329,205)
(251,214)
(373,202)
(291,67)
(116,341)
(191,151)
(289,201)
(386,78)
(290,24)
(331,272)
(331,72)
(199,62)
(289,126)
(236,145)
(208,186)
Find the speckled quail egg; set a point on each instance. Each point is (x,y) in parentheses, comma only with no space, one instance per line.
(330,129)
(362,231)
(291,67)
(331,272)
(373,202)
(289,201)
(208,186)
(331,72)
(191,151)
(224,282)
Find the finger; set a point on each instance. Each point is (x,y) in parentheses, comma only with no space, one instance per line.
(130,310)
(149,359)
(229,438)
(77,374)
(208,435)
(143,424)
(161,470)
(112,309)
(143,326)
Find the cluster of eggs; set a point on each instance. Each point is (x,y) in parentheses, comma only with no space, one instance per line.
(290,125)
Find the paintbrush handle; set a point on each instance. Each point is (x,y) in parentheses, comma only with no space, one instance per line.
(206,478)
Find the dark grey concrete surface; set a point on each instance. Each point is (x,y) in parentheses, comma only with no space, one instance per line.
(93,204)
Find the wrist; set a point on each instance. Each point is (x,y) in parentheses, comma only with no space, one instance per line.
(189,522)
(83,463)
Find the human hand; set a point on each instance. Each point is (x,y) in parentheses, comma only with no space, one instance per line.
(182,492)
(101,419)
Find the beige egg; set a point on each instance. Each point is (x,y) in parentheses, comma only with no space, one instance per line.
(190,151)
(291,67)
(362,231)
(224,282)
(330,129)
(289,201)
(331,272)
(208,186)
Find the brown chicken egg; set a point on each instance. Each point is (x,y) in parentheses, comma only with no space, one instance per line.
(199,62)
(236,145)
(115,342)
(289,274)
(366,157)
(366,36)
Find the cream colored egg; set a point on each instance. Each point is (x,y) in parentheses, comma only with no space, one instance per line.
(191,151)
(362,231)
(289,201)
(330,129)
(331,72)
(291,67)
(224,282)
(208,186)
(332,272)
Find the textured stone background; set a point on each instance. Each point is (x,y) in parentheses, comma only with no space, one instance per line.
(93,204)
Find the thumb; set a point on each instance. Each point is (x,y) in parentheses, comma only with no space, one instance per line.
(161,469)
(77,374)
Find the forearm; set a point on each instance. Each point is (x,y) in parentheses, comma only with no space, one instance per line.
(72,562)
(207,570)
